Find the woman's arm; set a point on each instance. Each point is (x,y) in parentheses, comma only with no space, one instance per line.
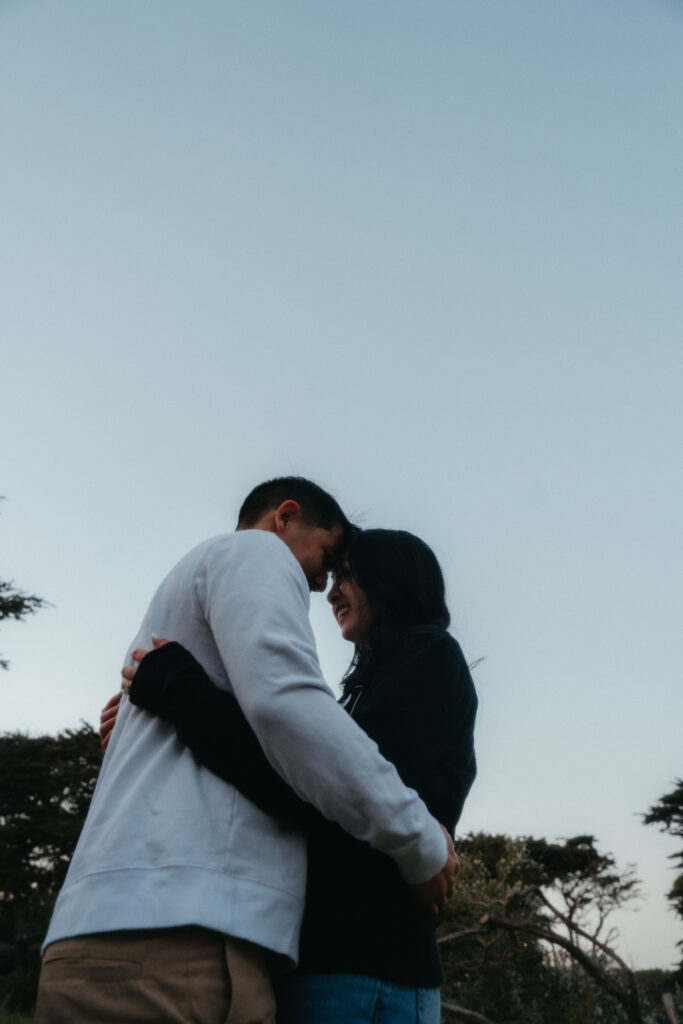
(170,683)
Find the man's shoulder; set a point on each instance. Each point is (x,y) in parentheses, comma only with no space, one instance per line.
(259,554)
(198,555)
(254,543)
(250,544)
(253,562)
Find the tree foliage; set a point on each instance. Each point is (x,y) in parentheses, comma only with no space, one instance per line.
(16,605)
(45,790)
(668,812)
(526,937)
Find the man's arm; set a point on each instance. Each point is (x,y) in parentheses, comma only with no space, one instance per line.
(255,599)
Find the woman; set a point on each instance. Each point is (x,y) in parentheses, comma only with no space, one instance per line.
(367,952)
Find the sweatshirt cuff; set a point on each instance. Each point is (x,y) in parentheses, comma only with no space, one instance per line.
(426,858)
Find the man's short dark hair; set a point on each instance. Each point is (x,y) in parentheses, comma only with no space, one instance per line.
(318,508)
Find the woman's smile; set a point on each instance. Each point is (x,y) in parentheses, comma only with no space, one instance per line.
(350,607)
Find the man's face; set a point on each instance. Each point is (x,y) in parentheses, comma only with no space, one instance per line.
(315,549)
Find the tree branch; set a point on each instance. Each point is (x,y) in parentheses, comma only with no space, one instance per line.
(468,1014)
(607,950)
(464,934)
(628,999)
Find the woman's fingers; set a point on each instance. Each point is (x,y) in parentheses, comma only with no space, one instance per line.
(108,719)
(128,674)
(112,703)
(128,671)
(110,709)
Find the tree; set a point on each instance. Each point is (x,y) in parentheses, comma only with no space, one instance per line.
(16,605)
(668,813)
(526,937)
(45,790)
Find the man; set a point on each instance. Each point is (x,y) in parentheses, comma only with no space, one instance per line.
(182,895)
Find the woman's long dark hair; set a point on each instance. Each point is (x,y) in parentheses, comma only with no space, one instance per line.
(404,585)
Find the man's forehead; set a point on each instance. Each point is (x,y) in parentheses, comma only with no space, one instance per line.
(332,538)
(336,537)
(332,542)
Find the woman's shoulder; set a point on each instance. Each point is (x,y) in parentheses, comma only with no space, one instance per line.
(434,657)
(431,640)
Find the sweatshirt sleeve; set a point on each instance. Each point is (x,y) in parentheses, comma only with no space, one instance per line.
(255,598)
(172,684)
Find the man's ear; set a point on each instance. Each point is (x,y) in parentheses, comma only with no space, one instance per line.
(285,513)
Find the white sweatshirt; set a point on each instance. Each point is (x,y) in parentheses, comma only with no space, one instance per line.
(165,842)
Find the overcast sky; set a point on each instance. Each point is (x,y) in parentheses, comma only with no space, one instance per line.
(429,255)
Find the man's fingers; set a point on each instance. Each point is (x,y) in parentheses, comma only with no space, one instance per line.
(433,894)
(159,641)
(139,653)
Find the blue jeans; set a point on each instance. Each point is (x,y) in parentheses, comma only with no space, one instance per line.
(353,999)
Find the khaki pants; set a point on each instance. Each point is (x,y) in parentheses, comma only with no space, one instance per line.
(165,976)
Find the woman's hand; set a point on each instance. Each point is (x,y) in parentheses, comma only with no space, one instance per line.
(108,719)
(111,708)
(128,672)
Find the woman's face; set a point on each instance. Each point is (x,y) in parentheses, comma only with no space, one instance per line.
(350,606)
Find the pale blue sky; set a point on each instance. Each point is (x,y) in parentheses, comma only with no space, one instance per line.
(428,254)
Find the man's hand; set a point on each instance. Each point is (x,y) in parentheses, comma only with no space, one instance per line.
(433,895)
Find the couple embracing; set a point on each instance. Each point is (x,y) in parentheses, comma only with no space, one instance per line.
(244,821)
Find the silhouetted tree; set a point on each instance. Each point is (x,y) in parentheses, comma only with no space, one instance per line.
(668,813)
(45,790)
(525,937)
(16,605)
